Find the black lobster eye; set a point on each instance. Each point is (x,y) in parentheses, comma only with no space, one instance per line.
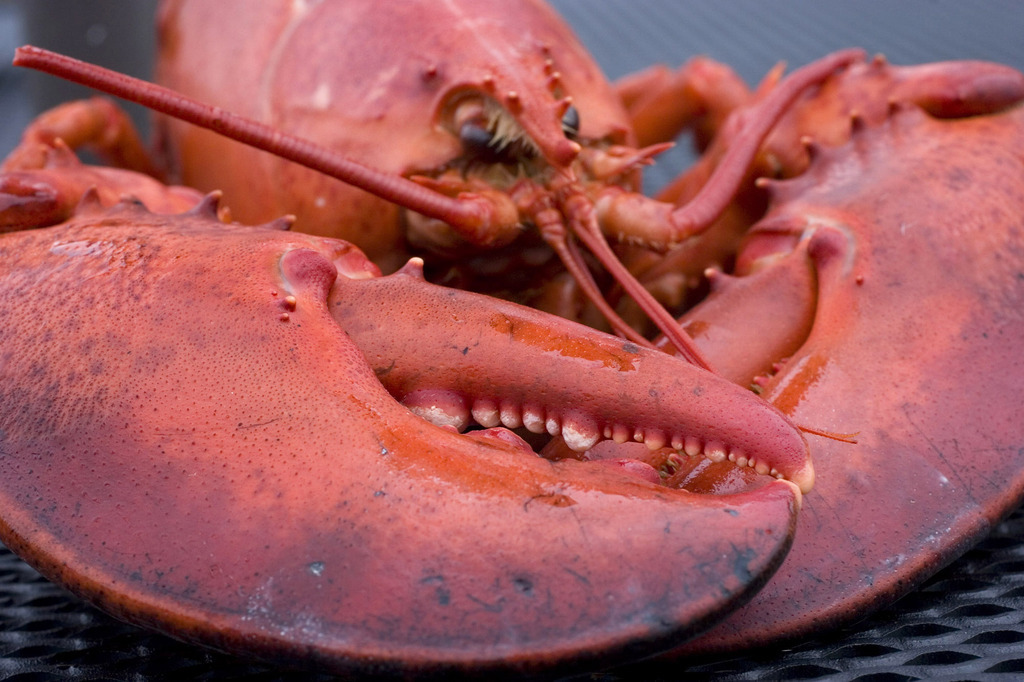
(475,139)
(571,123)
(479,143)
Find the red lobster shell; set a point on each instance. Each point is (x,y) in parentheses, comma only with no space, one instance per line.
(209,453)
(839,364)
(913,232)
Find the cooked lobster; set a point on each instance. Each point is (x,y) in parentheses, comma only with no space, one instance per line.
(827,263)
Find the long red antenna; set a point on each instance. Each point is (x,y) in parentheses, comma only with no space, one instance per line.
(459,212)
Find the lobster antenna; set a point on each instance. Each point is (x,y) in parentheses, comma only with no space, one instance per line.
(158,98)
(850,438)
(714,197)
(459,212)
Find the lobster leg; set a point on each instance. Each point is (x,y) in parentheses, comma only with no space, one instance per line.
(662,103)
(469,214)
(47,190)
(634,218)
(786,116)
(42,180)
(659,225)
(476,214)
(863,91)
(96,124)
(210,454)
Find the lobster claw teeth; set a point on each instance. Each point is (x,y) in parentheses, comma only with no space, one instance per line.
(440,407)
(486,413)
(580,433)
(468,356)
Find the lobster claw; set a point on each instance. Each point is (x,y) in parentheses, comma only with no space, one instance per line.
(907,239)
(191,440)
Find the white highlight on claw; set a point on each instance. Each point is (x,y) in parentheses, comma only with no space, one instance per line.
(655,440)
(511,417)
(440,416)
(79,248)
(578,440)
(579,432)
(552,426)
(486,414)
(715,452)
(620,434)
(322,97)
(533,421)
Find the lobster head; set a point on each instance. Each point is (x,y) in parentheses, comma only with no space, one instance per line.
(488,94)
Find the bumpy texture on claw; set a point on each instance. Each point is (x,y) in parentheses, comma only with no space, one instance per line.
(189,439)
(914,230)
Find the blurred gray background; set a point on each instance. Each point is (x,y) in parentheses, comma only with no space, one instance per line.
(624,35)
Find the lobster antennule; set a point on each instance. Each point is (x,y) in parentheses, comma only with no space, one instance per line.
(582,217)
(633,217)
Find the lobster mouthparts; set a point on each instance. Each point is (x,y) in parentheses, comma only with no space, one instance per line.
(191,440)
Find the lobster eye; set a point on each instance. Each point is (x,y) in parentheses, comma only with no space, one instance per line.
(490,134)
(571,123)
(480,144)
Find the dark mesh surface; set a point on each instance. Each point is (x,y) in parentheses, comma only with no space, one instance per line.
(966,623)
